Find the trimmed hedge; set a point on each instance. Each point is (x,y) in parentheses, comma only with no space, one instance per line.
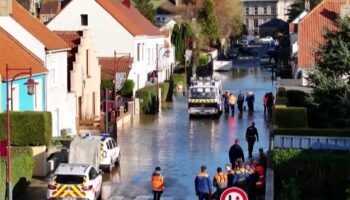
(281,101)
(127,89)
(320,174)
(178,79)
(22,165)
(297,98)
(164,90)
(147,99)
(28,128)
(281,92)
(290,117)
(312,132)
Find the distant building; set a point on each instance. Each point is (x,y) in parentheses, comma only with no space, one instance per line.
(257,12)
(282,8)
(166,13)
(50,8)
(272,27)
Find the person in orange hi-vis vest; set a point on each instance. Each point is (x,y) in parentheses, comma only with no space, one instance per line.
(220,182)
(157,183)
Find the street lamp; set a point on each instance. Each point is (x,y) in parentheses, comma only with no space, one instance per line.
(166,54)
(187,40)
(31,89)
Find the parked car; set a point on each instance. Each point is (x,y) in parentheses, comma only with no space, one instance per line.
(265,60)
(265,40)
(248,52)
(110,152)
(232,53)
(75,181)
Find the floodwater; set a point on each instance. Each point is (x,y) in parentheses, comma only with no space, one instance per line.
(180,145)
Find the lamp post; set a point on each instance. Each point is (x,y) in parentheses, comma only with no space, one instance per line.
(30,87)
(166,54)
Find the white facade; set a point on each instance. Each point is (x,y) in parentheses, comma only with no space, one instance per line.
(282,8)
(59,102)
(109,35)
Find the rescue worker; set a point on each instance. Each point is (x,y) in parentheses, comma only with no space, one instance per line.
(203,184)
(262,158)
(220,182)
(230,175)
(235,152)
(251,136)
(157,183)
(240,101)
(241,175)
(226,106)
(269,103)
(250,101)
(260,183)
(232,102)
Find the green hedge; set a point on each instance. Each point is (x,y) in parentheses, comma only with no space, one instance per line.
(290,117)
(22,165)
(297,98)
(203,59)
(312,132)
(178,79)
(147,99)
(28,128)
(281,92)
(107,84)
(127,89)
(320,174)
(164,90)
(281,101)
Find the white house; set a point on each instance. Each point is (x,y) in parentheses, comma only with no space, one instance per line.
(52,51)
(118,27)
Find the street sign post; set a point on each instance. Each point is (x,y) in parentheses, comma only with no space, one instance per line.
(234,193)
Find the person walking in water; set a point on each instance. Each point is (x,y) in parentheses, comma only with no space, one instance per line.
(232,102)
(240,101)
(235,152)
(251,136)
(265,101)
(220,182)
(203,184)
(225,96)
(157,183)
(250,101)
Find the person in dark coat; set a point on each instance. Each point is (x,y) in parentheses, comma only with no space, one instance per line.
(240,101)
(262,159)
(230,175)
(269,103)
(250,101)
(251,136)
(236,152)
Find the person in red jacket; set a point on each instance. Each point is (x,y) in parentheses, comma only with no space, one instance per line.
(157,183)
(260,184)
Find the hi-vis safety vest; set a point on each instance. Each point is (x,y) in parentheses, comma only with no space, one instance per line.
(221,180)
(157,182)
(232,100)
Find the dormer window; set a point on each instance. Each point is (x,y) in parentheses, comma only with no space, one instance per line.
(84,20)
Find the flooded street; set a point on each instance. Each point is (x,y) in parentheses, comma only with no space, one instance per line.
(180,145)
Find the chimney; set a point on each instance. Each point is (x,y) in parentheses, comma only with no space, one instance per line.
(5,7)
(307,5)
(127,3)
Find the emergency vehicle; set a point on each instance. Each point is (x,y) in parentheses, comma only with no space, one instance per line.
(75,181)
(205,96)
(110,153)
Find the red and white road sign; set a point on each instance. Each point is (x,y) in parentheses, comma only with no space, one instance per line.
(234,193)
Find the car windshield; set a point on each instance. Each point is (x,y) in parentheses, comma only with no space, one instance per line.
(202,93)
(69,179)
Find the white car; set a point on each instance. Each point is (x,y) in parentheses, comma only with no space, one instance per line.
(110,153)
(267,39)
(75,181)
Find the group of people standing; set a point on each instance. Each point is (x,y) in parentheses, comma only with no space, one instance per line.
(230,100)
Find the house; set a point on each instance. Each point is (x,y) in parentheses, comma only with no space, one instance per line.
(11,50)
(84,73)
(272,27)
(166,13)
(52,51)
(50,8)
(311,31)
(118,27)
(257,12)
(282,8)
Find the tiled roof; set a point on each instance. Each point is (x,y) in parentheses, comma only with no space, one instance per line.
(130,18)
(36,28)
(72,38)
(123,64)
(311,30)
(49,7)
(16,55)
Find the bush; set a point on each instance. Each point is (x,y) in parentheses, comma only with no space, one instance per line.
(290,191)
(290,117)
(281,92)
(147,99)
(127,89)
(22,170)
(297,98)
(107,84)
(178,79)
(281,101)
(164,90)
(319,174)
(312,132)
(28,128)
(203,59)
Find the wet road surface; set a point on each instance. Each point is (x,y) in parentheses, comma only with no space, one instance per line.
(180,145)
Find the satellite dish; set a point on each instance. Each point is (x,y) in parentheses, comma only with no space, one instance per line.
(120,78)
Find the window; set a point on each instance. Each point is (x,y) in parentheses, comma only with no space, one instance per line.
(256,10)
(247,10)
(69,179)
(265,10)
(158,19)
(84,20)
(247,22)
(110,145)
(138,52)
(273,10)
(92,174)
(256,23)
(114,144)
(87,62)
